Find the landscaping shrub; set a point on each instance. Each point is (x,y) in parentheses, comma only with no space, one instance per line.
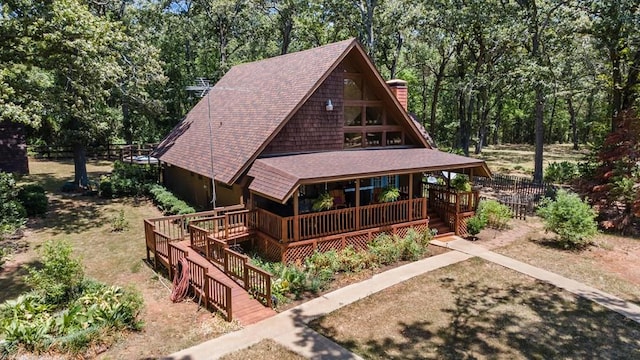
(127,180)
(569,217)
(34,199)
(12,213)
(169,203)
(494,214)
(475,225)
(65,312)
(60,274)
(4,256)
(320,268)
(119,222)
(561,172)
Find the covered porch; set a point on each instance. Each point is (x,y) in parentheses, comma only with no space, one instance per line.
(287,193)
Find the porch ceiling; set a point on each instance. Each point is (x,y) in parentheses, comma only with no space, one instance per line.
(278,177)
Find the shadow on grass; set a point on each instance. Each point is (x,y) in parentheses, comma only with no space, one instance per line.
(489,322)
(12,280)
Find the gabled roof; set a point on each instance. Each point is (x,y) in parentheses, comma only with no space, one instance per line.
(248,106)
(278,177)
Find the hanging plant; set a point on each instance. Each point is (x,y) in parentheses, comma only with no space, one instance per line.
(461,183)
(323,202)
(389,194)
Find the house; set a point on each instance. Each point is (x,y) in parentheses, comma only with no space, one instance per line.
(13,148)
(278,134)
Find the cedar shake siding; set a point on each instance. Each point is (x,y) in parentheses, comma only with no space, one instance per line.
(313,128)
(13,148)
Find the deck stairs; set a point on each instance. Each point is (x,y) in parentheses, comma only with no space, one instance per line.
(435,222)
(245,308)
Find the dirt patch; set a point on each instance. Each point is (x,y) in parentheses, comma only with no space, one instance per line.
(265,350)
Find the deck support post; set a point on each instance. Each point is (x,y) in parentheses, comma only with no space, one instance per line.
(296,219)
(410,204)
(357,190)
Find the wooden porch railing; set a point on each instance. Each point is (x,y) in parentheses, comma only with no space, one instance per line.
(253,279)
(454,208)
(214,293)
(332,222)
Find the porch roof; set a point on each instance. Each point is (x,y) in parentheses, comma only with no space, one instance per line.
(278,177)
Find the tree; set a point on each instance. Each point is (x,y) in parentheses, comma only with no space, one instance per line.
(76,52)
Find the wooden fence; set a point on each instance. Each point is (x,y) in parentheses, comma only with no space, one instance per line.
(126,152)
(515,184)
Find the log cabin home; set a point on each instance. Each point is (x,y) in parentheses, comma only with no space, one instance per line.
(278,134)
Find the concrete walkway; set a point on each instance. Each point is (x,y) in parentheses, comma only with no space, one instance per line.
(290,328)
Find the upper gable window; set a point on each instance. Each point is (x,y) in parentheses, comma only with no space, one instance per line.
(353,88)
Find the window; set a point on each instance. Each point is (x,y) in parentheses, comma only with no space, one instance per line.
(352,88)
(352,116)
(374,115)
(374,139)
(394,138)
(384,181)
(352,140)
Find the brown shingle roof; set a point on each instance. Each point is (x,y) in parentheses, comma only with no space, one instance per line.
(277,177)
(247,106)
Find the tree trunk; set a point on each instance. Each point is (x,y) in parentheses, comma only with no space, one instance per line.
(574,125)
(80,165)
(126,120)
(434,99)
(539,129)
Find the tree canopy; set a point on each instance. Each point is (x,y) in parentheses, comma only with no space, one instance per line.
(480,72)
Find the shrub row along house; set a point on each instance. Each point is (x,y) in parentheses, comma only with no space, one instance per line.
(313,130)
(309,151)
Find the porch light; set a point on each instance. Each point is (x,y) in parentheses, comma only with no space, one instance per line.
(329,105)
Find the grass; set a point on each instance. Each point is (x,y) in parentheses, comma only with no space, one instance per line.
(112,257)
(478,309)
(610,266)
(266,350)
(518,159)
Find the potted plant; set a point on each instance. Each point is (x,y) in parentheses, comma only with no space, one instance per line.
(389,194)
(323,202)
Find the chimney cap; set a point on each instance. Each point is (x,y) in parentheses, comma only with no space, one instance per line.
(396,82)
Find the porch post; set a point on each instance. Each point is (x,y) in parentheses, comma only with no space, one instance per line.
(410,197)
(357,204)
(296,223)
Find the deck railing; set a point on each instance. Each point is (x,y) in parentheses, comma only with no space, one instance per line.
(453,207)
(213,293)
(255,280)
(332,222)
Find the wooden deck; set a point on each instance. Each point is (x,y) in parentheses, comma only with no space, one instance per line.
(246,309)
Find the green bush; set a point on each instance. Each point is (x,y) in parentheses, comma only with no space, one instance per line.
(127,180)
(494,214)
(34,199)
(569,217)
(12,213)
(169,203)
(105,189)
(58,278)
(37,326)
(5,253)
(119,222)
(65,312)
(561,172)
(475,225)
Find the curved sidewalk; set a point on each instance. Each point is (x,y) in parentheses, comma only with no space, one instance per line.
(290,329)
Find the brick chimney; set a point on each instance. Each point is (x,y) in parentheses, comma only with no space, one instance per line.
(399,89)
